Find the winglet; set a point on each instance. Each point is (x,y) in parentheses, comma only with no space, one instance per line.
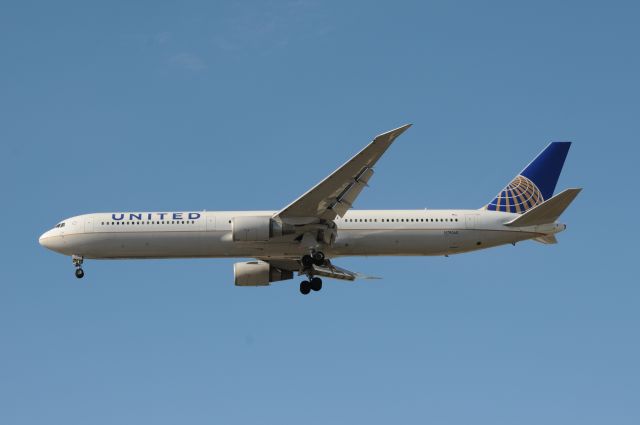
(391,135)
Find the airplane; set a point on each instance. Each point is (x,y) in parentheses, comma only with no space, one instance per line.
(306,236)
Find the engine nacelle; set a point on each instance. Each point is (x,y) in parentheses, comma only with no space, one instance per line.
(258,273)
(257,229)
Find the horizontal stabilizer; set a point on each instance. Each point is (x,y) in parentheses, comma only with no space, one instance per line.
(547,239)
(547,212)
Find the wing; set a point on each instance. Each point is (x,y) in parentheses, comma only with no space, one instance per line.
(334,195)
(328,270)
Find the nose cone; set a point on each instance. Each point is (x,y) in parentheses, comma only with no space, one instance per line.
(51,240)
(44,239)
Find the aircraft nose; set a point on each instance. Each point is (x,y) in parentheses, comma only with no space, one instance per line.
(42,240)
(49,240)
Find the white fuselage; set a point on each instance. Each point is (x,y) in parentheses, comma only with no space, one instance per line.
(359,233)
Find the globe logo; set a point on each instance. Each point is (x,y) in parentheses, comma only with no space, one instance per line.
(519,196)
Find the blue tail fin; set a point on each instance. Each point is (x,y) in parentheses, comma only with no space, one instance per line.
(535,184)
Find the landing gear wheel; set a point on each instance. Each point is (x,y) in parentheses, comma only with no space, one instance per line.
(305,287)
(316,284)
(318,258)
(77,262)
(307,261)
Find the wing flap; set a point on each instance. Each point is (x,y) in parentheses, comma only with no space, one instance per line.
(345,200)
(334,272)
(328,270)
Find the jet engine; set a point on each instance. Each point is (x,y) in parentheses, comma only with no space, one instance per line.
(258,229)
(258,273)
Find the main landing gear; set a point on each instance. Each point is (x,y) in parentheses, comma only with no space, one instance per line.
(77,262)
(316,258)
(307,286)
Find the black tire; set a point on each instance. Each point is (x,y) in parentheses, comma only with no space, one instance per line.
(316,284)
(305,287)
(79,273)
(307,261)
(318,258)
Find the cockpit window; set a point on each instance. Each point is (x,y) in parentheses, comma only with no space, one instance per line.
(59,225)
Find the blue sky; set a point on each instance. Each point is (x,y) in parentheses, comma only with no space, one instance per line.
(245,105)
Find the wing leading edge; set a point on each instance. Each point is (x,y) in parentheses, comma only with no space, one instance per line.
(334,195)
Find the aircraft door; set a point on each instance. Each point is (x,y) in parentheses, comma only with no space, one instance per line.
(470,221)
(88,224)
(210,221)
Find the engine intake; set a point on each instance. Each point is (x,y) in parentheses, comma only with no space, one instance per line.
(258,273)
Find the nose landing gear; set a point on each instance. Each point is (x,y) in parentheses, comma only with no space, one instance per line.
(77,262)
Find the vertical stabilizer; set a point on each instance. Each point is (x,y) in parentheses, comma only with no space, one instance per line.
(535,184)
